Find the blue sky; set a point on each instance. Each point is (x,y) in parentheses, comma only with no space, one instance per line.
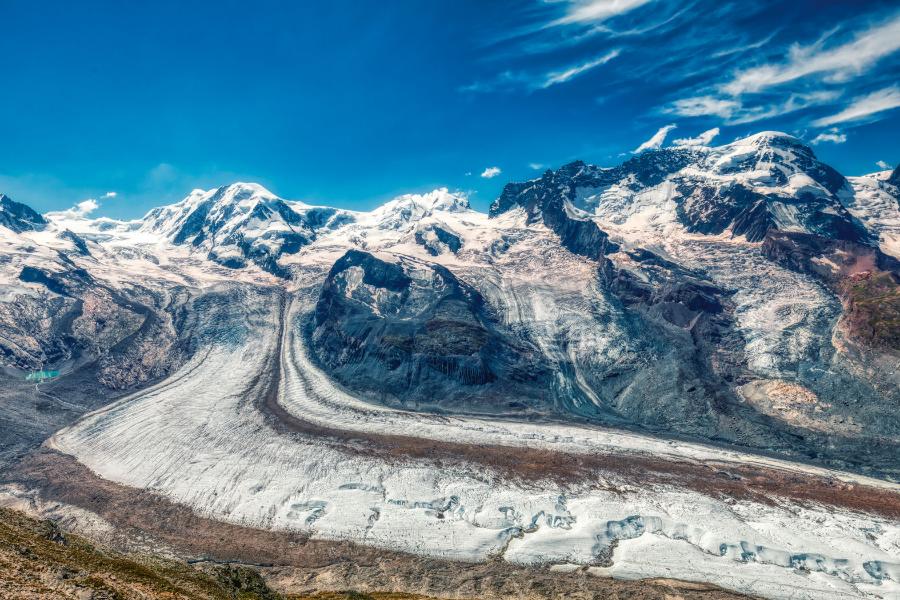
(349,103)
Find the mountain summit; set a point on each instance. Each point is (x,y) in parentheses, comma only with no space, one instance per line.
(242,222)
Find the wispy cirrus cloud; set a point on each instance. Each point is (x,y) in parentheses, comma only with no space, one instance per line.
(837,64)
(864,107)
(833,136)
(883,165)
(735,112)
(812,75)
(596,11)
(703,106)
(517,80)
(557,77)
(656,140)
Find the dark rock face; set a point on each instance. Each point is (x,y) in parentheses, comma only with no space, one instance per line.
(679,295)
(548,200)
(19,217)
(702,205)
(58,283)
(438,240)
(406,333)
(894,179)
(800,251)
(81,246)
(697,346)
(711,210)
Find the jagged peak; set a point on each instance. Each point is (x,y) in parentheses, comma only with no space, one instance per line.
(19,217)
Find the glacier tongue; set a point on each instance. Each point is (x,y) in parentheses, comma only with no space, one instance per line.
(197,439)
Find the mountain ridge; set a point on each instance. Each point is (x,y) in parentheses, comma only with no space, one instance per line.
(694,276)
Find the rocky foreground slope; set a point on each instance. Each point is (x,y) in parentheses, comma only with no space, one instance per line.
(282,365)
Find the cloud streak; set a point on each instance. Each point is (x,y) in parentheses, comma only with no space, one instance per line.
(864,107)
(833,136)
(491,172)
(837,64)
(811,76)
(596,11)
(509,80)
(701,140)
(735,112)
(656,141)
(557,77)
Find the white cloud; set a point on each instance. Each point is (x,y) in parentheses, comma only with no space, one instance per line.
(793,103)
(736,113)
(833,135)
(85,207)
(491,172)
(657,140)
(110,195)
(704,106)
(555,77)
(883,165)
(864,106)
(804,79)
(597,11)
(838,64)
(536,166)
(701,140)
(511,80)
(79,211)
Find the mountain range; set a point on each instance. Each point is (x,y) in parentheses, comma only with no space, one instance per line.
(693,353)
(746,294)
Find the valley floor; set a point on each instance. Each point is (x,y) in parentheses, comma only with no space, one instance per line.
(249,453)
(39,560)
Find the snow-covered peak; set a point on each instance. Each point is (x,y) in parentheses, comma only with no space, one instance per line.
(410,208)
(766,158)
(226,207)
(242,222)
(745,188)
(767,137)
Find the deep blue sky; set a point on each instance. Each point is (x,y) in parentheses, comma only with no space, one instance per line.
(350,103)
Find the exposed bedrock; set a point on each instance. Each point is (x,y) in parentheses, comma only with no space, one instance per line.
(19,217)
(99,343)
(409,333)
(413,333)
